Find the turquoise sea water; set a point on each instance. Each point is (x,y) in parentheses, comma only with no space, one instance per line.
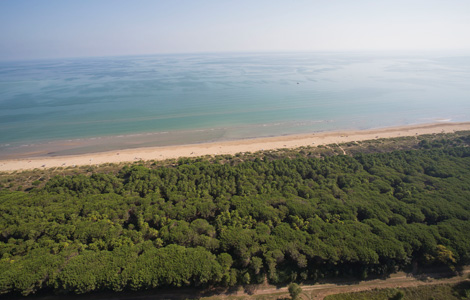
(67,106)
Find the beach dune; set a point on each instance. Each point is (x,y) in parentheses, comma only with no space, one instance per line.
(228,147)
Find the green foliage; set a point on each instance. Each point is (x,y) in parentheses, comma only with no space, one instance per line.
(294,291)
(202,223)
(439,291)
(398,296)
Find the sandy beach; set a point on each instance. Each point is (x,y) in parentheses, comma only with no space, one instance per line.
(228,147)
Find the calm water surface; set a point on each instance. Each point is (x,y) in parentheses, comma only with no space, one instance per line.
(73,106)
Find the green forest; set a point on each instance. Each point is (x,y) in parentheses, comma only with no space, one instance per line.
(239,220)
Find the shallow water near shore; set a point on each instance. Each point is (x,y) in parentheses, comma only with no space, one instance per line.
(74,106)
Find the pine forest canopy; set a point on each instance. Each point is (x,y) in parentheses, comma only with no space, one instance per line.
(210,223)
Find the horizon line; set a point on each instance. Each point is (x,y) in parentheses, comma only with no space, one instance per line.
(375,51)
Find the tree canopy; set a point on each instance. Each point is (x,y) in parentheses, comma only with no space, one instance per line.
(202,223)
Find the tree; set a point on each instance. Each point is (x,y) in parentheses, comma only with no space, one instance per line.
(294,291)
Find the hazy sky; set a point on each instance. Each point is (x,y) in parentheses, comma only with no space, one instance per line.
(63,28)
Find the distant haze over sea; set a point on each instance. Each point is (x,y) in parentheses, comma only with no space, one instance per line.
(72,106)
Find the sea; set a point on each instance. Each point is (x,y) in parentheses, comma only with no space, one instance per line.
(81,105)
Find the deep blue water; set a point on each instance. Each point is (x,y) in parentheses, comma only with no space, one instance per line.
(174,99)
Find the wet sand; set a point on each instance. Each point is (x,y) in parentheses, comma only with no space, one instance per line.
(227,147)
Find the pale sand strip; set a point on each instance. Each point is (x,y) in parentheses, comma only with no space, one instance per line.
(228,147)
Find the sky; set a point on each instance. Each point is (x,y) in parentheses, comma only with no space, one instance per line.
(31,29)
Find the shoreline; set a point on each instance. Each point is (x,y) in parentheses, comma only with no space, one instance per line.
(231,147)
